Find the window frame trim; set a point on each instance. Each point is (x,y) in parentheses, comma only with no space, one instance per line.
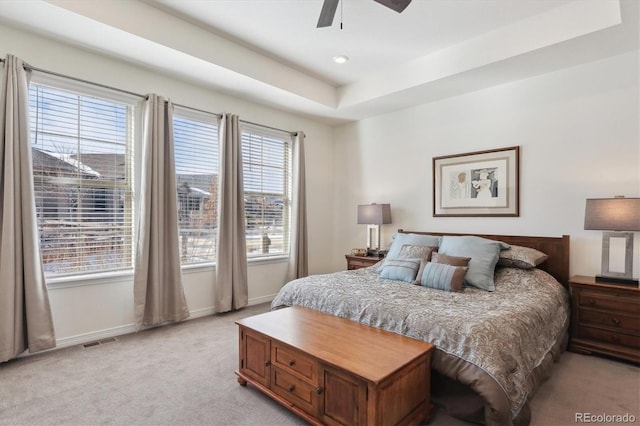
(134,119)
(286,137)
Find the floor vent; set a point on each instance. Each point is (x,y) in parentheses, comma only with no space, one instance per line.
(99,342)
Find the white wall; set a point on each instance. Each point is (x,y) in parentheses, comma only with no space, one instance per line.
(578,130)
(86,310)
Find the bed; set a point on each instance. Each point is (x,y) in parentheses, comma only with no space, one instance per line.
(494,346)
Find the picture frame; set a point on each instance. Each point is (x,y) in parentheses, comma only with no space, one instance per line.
(476,184)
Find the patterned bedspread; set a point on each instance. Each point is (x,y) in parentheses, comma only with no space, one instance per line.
(506,333)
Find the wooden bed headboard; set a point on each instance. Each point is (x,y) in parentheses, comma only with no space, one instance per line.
(557,248)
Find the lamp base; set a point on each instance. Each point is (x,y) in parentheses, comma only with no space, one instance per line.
(616,280)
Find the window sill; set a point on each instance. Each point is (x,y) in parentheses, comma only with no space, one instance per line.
(127,274)
(268,259)
(89,279)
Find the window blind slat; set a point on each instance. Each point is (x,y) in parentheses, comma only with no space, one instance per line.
(266,178)
(82,154)
(196,154)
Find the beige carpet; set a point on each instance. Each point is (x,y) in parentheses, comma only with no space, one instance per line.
(183,375)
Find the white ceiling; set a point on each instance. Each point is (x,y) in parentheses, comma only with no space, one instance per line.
(270,51)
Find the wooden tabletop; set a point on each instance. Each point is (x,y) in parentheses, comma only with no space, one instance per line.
(368,352)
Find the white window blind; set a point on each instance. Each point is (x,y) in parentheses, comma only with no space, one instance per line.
(196,152)
(266,162)
(82,149)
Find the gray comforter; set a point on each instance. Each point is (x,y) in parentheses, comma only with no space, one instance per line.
(490,341)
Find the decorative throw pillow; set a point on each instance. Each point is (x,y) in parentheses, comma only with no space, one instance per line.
(400,269)
(521,257)
(484,256)
(449,260)
(410,251)
(400,239)
(441,276)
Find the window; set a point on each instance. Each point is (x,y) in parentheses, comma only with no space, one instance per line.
(196,152)
(266,162)
(82,149)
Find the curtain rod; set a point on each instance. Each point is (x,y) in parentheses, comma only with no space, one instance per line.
(104,86)
(269,127)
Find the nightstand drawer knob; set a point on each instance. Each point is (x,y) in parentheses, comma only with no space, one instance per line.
(615,338)
(291,363)
(616,321)
(292,388)
(591,302)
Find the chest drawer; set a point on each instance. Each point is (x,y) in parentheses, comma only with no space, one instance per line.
(295,363)
(610,337)
(609,302)
(610,320)
(297,391)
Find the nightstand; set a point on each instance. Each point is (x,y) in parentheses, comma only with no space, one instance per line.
(605,318)
(357,262)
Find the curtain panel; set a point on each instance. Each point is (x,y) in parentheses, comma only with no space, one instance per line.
(298,259)
(158,291)
(231,289)
(25,313)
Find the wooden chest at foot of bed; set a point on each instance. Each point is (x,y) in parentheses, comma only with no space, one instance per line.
(330,370)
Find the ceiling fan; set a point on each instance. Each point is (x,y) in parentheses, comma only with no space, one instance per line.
(329,9)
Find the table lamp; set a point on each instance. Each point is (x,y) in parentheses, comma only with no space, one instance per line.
(374,215)
(620,217)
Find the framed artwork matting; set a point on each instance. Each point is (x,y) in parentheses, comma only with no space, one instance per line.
(481,183)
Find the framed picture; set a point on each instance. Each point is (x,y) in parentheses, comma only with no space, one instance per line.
(482,183)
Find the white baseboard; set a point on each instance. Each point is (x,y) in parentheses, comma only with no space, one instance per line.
(80,339)
(262,299)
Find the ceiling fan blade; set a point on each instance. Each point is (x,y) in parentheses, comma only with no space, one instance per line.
(327,13)
(397,5)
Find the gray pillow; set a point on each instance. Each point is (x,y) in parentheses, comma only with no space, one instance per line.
(484,255)
(410,251)
(521,257)
(441,276)
(400,269)
(400,239)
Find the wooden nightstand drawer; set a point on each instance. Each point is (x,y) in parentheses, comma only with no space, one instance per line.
(605,318)
(357,262)
(608,302)
(610,337)
(295,362)
(610,320)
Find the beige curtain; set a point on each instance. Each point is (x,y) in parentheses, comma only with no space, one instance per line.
(25,314)
(158,292)
(231,290)
(298,261)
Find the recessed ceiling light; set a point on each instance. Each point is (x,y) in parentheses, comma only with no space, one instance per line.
(340,59)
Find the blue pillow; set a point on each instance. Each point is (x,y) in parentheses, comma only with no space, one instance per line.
(400,269)
(441,276)
(484,255)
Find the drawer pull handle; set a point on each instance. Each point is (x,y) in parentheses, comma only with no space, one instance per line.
(318,391)
(615,338)
(291,363)
(292,388)
(267,363)
(616,321)
(591,302)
